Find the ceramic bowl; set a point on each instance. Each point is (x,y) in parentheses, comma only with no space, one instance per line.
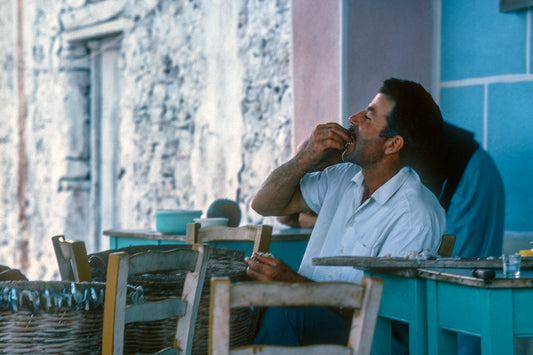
(175,221)
(226,208)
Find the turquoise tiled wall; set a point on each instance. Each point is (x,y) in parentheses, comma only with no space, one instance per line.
(463,107)
(478,40)
(486,86)
(510,142)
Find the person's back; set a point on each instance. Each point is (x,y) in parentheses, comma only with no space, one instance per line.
(469,187)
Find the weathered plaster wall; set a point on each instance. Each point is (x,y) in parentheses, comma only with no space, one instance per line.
(205,112)
(8,134)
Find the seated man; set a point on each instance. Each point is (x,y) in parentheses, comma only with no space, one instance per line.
(374,204)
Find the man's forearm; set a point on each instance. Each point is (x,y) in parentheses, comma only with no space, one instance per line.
(280,194)
(276,196)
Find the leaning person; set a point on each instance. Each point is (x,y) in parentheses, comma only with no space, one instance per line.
(372,205)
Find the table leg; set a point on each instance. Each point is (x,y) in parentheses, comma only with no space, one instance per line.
(381,344)
(497,322)
(440,341)
(403,300)
(418,321)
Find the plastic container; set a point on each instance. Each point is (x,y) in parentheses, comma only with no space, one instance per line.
(175,221)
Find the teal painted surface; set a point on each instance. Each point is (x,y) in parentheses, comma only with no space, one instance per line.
(381,344)
(530,51)
(523,319)
(438,309)
(403,299)
(116,243)
(291,252)
(510,138)
(449,311)
(439,341)
(479,41)
(463,107)
(486,312)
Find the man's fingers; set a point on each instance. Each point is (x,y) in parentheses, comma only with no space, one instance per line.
(257,270)
(331,135)
(257,265)
(269,260)
(256,275)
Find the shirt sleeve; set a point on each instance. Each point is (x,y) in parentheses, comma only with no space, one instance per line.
(314,186)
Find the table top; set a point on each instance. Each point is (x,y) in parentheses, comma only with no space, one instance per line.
(453,270)
(278,234)
(465,277)
(373,262)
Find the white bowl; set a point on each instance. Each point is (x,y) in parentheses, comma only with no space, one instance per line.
(212,221)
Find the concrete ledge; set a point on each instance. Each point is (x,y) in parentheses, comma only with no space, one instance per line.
(98,31)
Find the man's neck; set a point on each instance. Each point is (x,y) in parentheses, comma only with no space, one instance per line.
(377,176)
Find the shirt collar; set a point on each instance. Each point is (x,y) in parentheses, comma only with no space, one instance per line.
(385,192)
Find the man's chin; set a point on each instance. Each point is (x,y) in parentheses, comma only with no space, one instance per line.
(349,149)
(348,157)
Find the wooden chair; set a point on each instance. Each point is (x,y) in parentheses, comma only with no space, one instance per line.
(259,234)
(117,313)
(364,298)
(446,245)
(72,259)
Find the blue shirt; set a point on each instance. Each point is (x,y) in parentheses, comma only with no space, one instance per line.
(476,212)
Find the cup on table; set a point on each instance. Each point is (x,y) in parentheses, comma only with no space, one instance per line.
(511,265)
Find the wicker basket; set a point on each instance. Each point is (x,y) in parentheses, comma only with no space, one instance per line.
(145,337)
(59,329)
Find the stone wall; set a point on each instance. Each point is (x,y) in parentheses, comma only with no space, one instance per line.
(205,112)
(9,228)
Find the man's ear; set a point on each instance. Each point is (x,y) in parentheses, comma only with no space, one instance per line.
(394,144)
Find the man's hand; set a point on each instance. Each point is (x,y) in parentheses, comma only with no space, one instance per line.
(267,268)
(325,137)
(280,194)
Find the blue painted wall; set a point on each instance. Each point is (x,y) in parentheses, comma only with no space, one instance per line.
(486,86)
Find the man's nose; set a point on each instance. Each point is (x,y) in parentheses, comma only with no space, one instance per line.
(354,119)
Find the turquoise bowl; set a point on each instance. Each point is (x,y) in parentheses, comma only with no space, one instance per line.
(175,221)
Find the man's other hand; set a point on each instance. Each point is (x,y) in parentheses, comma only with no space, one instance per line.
(267,268)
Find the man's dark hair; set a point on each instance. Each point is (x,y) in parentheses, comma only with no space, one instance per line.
(415,117)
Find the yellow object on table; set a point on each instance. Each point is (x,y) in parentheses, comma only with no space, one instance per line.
(526,252)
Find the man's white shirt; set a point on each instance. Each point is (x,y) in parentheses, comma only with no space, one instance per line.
(400,217)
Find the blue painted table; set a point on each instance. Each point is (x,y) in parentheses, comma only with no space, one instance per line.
(287,244)
(403,299)
(497,310)
(438,302)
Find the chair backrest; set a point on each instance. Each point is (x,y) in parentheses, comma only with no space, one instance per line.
(72,259)
(260,235)
(364,298)
(117,313)
(446,245)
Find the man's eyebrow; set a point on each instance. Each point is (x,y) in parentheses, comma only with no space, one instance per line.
(370,108)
